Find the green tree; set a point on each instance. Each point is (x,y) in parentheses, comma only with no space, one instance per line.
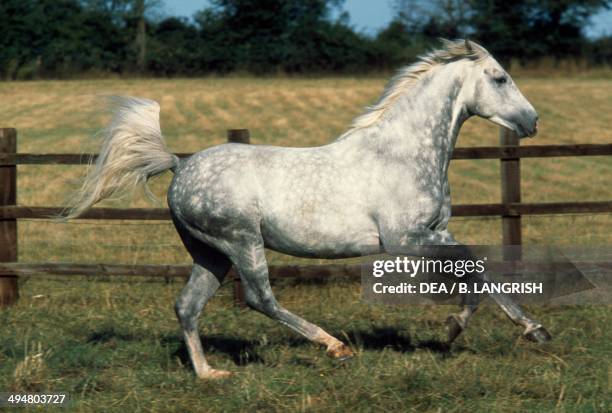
(278,35)
(434,18)
(134,17)
(530,29)
(175,48)
(55,38)
(524,29)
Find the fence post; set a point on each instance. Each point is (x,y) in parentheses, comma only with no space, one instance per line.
(510,171)
(238,136)
(9,289)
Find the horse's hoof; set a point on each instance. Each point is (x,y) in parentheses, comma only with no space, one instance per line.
(214,374)
(344,358)
(340,353)
(454,328)
(538,335)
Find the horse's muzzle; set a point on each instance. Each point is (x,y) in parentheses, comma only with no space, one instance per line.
(534,131)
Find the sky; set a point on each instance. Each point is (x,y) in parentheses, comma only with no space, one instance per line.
(371,15)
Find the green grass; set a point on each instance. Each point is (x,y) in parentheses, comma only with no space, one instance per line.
(115,345)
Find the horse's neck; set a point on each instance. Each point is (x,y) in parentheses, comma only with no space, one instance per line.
(423,123)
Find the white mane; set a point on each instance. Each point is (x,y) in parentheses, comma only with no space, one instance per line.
(452,50)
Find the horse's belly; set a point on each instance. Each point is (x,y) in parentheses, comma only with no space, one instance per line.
(321,240)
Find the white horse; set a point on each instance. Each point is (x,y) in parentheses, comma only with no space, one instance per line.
(381,185)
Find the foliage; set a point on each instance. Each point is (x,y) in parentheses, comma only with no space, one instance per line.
(56,36)
(536,28)
(522,29)
(269,36)
(65,38)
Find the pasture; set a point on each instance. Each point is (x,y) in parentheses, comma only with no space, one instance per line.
(115,345)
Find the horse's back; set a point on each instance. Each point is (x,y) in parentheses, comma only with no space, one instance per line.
(289,196)
(230,181)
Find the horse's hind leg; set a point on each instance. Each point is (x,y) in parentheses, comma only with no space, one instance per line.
(253,269)
(209,269)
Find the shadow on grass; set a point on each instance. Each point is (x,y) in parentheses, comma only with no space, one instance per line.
(110,334)
(389,337)
(242,352)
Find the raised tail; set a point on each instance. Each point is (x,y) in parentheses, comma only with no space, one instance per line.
(133,150)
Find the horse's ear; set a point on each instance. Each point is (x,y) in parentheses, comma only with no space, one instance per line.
(468,45)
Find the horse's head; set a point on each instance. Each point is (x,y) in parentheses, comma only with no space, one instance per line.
(492,94)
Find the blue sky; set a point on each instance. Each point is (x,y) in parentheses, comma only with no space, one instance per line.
(371,15)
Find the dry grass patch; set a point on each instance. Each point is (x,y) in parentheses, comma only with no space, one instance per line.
(61,117)
(115,346)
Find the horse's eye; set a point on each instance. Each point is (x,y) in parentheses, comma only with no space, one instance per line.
(501,80)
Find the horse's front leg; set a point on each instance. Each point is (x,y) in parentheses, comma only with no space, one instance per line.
(417,243)
(534,331)
(457,322)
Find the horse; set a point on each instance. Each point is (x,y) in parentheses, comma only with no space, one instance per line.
(380,185)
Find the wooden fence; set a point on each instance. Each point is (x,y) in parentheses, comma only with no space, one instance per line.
(510,209)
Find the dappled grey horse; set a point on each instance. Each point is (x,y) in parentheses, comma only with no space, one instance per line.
(381,185)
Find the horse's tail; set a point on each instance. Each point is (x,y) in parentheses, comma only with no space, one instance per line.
(133,150)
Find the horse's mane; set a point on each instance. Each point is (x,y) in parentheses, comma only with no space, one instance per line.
(451,50)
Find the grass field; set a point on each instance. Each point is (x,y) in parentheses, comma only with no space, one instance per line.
(116,346)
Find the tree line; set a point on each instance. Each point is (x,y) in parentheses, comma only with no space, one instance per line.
(69,38)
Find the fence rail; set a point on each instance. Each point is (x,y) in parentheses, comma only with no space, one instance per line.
(480,152)
(182,271)
(459,210)
(161,270)
(510,209)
